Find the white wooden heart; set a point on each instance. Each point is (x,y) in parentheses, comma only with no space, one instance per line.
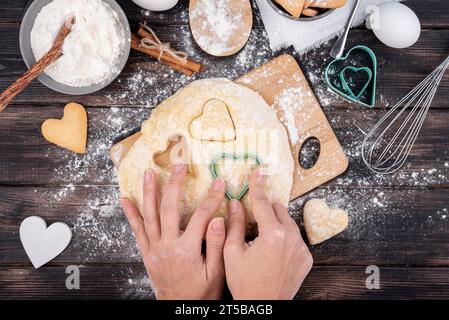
(43,244)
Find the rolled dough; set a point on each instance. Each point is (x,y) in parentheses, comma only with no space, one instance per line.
(212,116)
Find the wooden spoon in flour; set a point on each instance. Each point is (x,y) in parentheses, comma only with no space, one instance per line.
(221,27)
(55,52)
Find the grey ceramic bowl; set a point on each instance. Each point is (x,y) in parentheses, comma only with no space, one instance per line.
(28,56)
(301,18)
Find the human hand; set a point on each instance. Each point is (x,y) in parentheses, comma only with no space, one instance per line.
(173,258)
(274,265)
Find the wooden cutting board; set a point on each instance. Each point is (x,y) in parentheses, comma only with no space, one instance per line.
(283,85)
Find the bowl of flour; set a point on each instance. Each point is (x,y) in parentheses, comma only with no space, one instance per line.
(94,53)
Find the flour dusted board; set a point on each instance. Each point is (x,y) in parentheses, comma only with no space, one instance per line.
(284,86)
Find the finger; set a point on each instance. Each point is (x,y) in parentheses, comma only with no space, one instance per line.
(283,216)
(137,226)
(235,238)
(201,217)
(150,213)
(286,220)
(262,209)
(215,240)
(170,201)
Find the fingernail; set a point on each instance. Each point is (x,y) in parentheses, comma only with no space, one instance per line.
(234,206)
(218,225)
(179,167)
(148,176)
(218,184)
(261,177)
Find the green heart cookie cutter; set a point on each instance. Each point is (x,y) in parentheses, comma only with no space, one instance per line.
(347,93)
(215,175)
(345,84)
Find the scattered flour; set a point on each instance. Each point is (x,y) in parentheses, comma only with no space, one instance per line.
(102,232)
(218,24)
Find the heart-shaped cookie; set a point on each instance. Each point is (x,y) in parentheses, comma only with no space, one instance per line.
(334,75)
(71,131)
(43,244)
(322,222)
(293,7)
(235,177)
(214,123)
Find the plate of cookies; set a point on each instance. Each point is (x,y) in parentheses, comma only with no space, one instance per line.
(306,10)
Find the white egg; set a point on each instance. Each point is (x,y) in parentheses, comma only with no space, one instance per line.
(156,5)
(395,24)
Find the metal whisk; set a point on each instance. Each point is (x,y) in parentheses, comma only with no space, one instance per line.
(387,146)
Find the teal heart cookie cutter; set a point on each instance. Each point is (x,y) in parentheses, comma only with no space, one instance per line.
(345,84)
(346,91)
(215,175)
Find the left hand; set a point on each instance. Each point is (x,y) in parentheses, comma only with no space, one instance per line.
(173,258)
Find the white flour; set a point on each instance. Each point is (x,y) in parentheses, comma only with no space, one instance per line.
(90,51)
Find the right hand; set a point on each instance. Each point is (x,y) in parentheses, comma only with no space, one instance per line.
(274,265)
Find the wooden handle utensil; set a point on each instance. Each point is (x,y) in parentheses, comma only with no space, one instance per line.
(56,51)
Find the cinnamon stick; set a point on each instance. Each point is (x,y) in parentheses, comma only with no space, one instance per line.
(180,68)
(55,52)
(194,66)
(135,44)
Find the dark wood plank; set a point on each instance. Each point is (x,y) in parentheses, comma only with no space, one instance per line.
(387,226)
(27,158)
(396,222)
(395,283)
(44,163)
(96,282)
(145,82)
(12,11)
(432,14)
(131,282)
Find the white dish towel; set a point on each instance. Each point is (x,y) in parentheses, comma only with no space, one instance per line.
(283,32)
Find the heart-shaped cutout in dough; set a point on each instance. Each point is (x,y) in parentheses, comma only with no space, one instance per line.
(43,244)
(235,171)
(70,132)
(177,151)
(214,123)
(322,222)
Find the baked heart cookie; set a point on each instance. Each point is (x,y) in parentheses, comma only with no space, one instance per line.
(322,222)
(310,12)
(325,4)
(70,132)
(294,7)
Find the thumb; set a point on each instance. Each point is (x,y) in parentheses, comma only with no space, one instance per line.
(235,239)
(215,239)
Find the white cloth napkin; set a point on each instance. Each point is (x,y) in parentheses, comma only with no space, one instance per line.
(283,32)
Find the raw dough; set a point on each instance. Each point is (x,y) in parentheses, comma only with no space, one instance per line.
(322,222)
(257,130)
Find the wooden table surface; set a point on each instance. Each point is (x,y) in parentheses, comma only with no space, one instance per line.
(399,223)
